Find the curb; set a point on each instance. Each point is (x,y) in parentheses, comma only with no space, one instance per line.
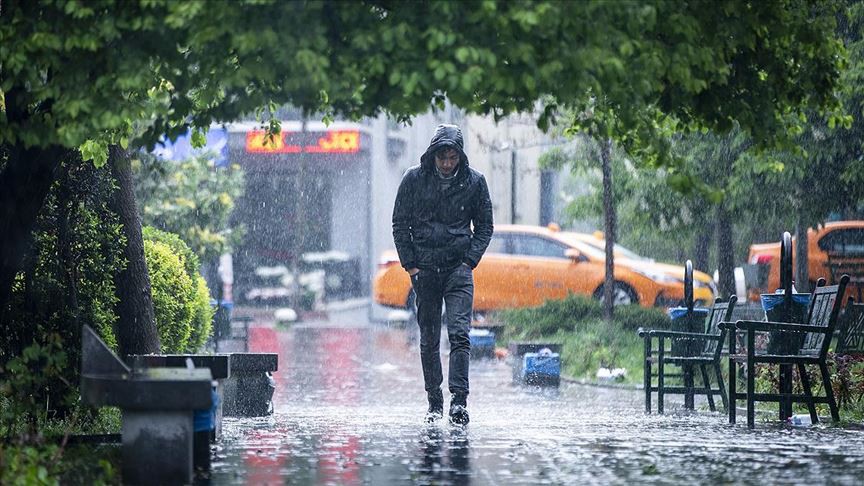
(598,384)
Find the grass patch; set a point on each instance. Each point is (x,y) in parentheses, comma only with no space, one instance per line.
(588,342)
(32,450)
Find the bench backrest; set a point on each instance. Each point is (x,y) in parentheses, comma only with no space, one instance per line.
(823,312)
(851,330)
(720,312)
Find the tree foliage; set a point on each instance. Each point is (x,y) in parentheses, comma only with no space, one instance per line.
(78,70)
(193,199)
(66,281)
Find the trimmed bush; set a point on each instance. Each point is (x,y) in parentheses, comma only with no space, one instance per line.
(177,245)
(567,314)
(173,293)
(201,323)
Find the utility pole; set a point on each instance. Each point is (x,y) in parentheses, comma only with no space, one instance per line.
(513,177)
(609,227)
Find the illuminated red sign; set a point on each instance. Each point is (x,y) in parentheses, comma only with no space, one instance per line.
(329,142)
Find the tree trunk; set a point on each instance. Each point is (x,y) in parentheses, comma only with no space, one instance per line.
(26,180)
(725,253)
(609,229)
(66,209)
(802,269)
(136,326)
(701,246)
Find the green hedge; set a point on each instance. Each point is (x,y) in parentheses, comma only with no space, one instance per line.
(569,313)
(588,341)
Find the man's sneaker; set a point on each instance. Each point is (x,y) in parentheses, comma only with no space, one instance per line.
(458,415)
(433,416)
(435,413)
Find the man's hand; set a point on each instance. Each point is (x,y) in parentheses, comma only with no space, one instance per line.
(413,271)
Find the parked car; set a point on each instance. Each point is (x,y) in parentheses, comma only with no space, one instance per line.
(526,265)
(839,243)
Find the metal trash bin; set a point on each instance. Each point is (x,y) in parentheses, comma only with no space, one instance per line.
(685,321)
(774,309)
(222,319)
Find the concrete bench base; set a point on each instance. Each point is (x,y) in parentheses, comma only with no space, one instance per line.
(249,390)
(157,447)
(157,406)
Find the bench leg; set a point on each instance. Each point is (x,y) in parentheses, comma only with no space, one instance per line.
(751,378)
(721,386)
(647,375)
(829,392)
(733,398)
(708,390)
(808,392)
(733,375)
(660,382)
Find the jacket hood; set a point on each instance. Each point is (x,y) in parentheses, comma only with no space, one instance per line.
(445,136)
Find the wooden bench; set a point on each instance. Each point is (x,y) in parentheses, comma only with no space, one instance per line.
(824,308)
(703,353)
(849,350)
(841,263)
(850,332)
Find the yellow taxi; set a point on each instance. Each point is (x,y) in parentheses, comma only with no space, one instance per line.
(832,250)
(526,265)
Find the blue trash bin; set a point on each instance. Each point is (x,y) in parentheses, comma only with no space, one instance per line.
(204,426)
(541,368)
(482,343)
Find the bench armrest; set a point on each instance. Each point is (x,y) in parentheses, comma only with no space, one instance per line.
(727,325)
(778,326)
(683,334)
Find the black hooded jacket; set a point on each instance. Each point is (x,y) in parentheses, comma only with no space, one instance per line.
(431,228)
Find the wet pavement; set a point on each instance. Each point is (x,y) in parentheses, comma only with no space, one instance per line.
(349,406)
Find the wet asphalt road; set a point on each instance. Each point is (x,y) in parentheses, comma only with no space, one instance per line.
(349,406)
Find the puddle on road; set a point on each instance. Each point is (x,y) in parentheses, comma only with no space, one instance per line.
(349,409)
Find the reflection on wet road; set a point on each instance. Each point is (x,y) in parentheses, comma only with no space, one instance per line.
(349,406)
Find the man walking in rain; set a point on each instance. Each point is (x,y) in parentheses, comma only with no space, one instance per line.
(436,204)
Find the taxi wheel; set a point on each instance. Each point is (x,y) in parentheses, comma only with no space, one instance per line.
(622,294)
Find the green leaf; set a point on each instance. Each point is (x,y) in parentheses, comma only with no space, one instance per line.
(199,138)
(94,151)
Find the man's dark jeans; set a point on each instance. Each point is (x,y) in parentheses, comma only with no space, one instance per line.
(454,287)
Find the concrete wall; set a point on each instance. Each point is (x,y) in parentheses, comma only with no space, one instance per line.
(349,229)
(508,152)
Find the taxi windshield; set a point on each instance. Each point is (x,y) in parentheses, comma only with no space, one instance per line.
(596,247)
